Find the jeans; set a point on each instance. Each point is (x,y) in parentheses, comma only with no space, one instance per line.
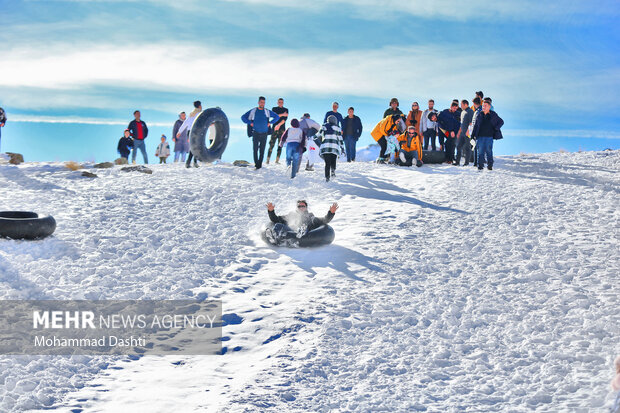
(139,144)
(406,158)
(330,164)
(430,135)
(292,157)
(259,140)
(463,147)
(349,145)
(179,155)
(485,147)
(275,137)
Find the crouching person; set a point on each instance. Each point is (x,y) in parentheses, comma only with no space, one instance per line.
(410,148)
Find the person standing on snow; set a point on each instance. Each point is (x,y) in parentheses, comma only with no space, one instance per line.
(487,129)
(295,140)
(163,150)
(186,127)
(138,131)
(335,113)
(278,130)
(393,109)
(258,119)
(296,224)
(3,120)
(463,144)
(448,127)
(429,127)
(310,128)
(181,145)
(332,146)
(125,143)
(477,110)
(415,114)
(351,130)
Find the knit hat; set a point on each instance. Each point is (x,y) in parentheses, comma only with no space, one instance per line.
(295,123)
(331,119)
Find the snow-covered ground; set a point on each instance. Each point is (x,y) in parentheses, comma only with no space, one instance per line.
(446,289)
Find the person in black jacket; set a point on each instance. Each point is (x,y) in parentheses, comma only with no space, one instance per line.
(449,127)
(486,129)
(125,143)
(2,122)
(351,130)
(289,228)
(139,132)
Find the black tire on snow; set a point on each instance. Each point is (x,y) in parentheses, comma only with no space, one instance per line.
(433,156)
(25,225)
(323,235)
(198,135)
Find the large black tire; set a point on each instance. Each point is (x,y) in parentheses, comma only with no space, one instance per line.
(323,235)
(433,156)
(198,135)
(25,225)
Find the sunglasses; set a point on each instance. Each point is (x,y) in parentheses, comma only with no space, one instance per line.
(302,206)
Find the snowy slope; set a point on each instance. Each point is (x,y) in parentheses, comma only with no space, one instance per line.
(446,289)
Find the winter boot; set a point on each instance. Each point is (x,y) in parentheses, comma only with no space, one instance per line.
(277,159)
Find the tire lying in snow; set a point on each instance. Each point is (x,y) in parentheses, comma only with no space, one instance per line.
(198,135)
(433,156)
(25,225)
(323,235)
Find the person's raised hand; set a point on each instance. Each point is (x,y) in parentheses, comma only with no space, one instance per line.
(270,206)
(333,208)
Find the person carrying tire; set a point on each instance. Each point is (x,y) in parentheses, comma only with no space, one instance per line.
(392,125)
(288,229)
(186,127)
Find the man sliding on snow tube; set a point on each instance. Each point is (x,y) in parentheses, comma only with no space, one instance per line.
(289,229)
(410,148)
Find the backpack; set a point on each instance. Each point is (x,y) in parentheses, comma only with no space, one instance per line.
(250,130)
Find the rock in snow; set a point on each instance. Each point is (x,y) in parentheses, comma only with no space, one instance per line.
(446,289)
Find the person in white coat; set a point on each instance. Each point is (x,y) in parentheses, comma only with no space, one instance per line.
(163,150)
(187,125)
(310,128)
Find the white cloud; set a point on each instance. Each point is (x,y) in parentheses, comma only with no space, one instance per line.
(441,72)
(561,133)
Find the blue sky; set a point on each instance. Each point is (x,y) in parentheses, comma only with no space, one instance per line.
(73,72)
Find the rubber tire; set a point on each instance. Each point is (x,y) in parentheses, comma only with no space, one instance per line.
(198,135)
(25,225)
(433,156)
(323,235)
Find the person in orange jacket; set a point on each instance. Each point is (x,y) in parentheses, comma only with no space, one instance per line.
(410,148)
(388,126)
(415,114)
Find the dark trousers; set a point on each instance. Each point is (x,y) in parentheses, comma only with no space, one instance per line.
(449,148)
(189,159)
(463,147)
(259,141)
(430,135)
(349,144)
(275,137)
(383,144)
(330,164)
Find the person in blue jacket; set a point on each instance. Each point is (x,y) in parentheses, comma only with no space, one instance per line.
(125,143)
(334,112)
(351,130)
(258,120)
(486,129)
(449,127)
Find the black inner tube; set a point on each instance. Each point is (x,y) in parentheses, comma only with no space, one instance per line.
(323,235)
(198,135)
(25,225)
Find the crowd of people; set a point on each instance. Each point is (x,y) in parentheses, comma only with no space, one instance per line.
(460,132)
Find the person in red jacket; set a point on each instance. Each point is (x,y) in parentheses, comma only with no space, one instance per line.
(139,131)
